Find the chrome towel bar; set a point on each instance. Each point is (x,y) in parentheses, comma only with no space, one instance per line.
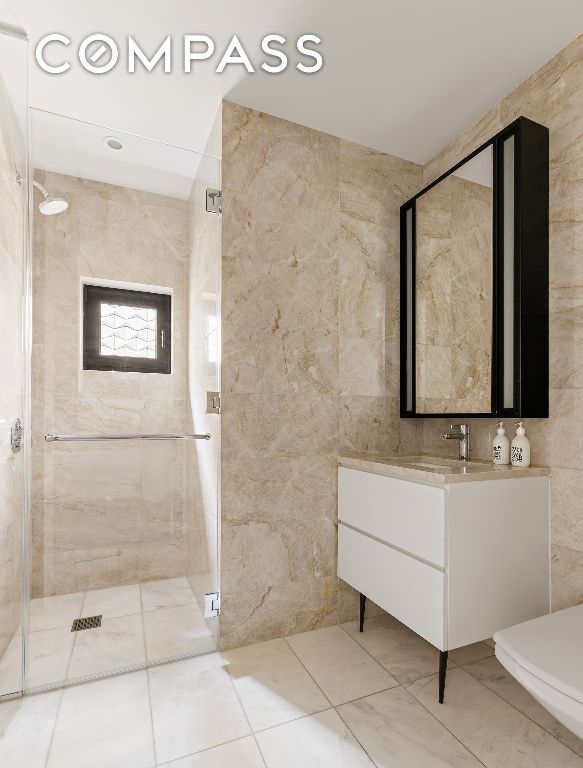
(95,438)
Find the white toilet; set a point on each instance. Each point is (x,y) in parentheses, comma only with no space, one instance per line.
(545,655)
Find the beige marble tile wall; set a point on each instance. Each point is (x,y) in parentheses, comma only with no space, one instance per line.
(454,297)
(203,480)
(12,260)
(310,246)
(552,96)
(105,514)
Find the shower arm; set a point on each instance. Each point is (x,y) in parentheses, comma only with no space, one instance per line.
(40,187)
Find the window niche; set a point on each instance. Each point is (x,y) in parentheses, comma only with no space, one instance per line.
(126,330)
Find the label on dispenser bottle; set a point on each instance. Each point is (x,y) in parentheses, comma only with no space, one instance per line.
(517,454)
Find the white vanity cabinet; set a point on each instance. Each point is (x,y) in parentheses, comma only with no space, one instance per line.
(453,557)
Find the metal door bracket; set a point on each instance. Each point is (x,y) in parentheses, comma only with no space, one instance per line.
(213,402)
(213,201)
(212,605)
(16,435)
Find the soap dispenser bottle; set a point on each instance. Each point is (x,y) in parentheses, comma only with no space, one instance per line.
(501,446)
(520,452)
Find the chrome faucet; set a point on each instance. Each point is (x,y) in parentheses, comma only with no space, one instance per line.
(462,434)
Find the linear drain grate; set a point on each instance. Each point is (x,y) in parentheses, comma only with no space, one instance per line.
(89,622)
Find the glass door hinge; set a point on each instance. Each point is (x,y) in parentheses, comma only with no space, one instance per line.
(212,605)
(213,201)
(213,402)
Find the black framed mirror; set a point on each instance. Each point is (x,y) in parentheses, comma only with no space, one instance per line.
(474,283)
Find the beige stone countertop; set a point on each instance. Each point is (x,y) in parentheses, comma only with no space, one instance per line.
(436,470)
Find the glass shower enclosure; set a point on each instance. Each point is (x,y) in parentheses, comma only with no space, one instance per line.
(13,215)
(110,511)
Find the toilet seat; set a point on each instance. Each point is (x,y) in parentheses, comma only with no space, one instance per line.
(546,656)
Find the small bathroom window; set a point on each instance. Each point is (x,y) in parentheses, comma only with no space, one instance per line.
(126,330)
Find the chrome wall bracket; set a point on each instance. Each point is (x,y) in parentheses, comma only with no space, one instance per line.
(213,201)
(212,605)
(213,402)
(16,435)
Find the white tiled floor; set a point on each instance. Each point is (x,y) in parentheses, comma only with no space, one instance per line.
(332,698)
(141,622)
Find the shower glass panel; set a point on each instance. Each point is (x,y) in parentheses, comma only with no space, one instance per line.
(124,486)
(13,213)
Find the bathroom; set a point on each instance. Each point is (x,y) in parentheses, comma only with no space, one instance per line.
(214,344)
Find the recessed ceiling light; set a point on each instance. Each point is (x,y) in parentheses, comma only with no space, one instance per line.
(113,142)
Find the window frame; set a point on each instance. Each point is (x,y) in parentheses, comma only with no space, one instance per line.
(93,297)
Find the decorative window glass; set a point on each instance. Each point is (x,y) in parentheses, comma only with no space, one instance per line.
(126,330)
(129,331)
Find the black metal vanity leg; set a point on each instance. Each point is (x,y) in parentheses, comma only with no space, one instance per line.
(442,672)
(362,607)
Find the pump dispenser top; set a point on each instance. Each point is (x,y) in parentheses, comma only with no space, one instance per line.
(501,446)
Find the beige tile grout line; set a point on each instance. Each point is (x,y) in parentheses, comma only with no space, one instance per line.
(61,693)
(252,731)
(147,670)
(465,669)
(61,690)
(332,706)
(403,687)
(312,678)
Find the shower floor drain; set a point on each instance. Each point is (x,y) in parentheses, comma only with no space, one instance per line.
(89,622)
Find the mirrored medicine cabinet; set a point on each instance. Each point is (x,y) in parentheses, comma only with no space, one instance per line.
(475,285)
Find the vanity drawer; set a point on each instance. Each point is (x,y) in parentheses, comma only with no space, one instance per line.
(407,515)
(411,591)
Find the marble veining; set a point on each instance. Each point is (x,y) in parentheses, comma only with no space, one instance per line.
(310,252)
(551,96)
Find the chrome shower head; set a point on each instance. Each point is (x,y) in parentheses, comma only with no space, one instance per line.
(50,205)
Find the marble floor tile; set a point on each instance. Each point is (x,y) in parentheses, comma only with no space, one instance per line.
(493,675)
(342,669)
(176,630)
(194,707)
(469,653)
(272,684)
(404,654)
(26,728)
(397,732)
(242,753)
(317,741)
(497,733)
(166,592)
(11,666)
(49,654)
(57,611)
(113,602)
(104,724)
(117,644)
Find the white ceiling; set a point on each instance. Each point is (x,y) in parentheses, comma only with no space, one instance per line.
(403,77)
(64,145)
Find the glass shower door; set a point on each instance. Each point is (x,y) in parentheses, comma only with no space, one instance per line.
(125,346)
(13,213)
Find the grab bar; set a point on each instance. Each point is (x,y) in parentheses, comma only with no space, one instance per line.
(94,438)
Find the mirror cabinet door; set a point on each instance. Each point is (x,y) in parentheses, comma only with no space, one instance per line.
(474,284)
(453,285)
